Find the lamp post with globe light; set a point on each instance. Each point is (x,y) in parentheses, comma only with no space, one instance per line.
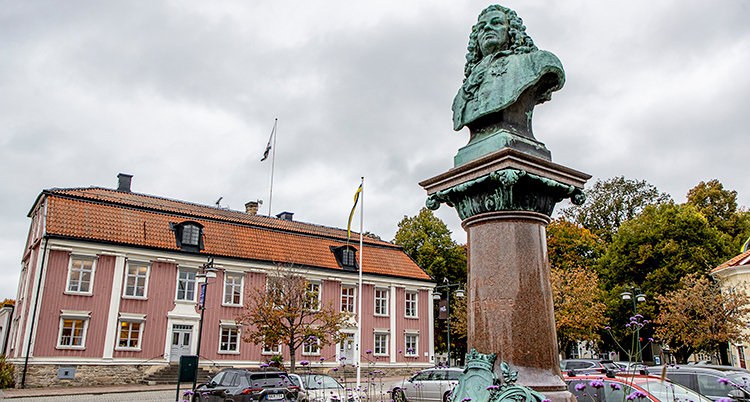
(634,293)
(437,295)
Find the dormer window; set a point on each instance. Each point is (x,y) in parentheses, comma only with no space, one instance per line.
(346,257)
(188,235)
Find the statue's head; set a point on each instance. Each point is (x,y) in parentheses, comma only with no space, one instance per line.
(498,30)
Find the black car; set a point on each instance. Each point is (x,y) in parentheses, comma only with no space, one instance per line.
(712,383)
(242,385)
(588,365)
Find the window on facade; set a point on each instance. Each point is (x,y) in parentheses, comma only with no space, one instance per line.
(233,288)
(190,234)
(381,302)
(313,296)
(135,280)
(410,343)
(310,347)
(186,285)
(72,332)
(80,275)
(229,341)
(381,344)
(130,335)
(271,349)
(411,304)
(347,257)
(347,299)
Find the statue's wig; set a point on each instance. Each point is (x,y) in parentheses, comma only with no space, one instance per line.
(520,42)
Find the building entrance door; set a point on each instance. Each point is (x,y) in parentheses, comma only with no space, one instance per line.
(346,348)
(181,341)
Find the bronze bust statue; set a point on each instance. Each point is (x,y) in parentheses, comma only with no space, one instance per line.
(506,75)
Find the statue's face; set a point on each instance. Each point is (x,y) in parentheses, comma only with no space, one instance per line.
(493,36)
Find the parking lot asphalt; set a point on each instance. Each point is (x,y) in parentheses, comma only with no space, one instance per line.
(38,394)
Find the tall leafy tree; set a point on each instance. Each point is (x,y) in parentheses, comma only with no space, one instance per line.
(578,299)
(611,202)
(719,206)
(701,315)
(427,240)
(287,311)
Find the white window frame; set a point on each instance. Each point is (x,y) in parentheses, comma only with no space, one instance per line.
(415,302)
(380,307)
(81,258)
(274,350)
(233,286)
(311,348)
(415,349)
(229,326)
(189,271)
(71,315)
(377,350)
(131,319)
(310,287)
(353,298)
(136,264)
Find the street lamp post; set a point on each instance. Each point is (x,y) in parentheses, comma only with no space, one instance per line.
(207,271)
(634,293)
(437,295)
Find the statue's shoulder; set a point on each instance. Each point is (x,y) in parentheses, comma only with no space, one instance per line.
(538,61)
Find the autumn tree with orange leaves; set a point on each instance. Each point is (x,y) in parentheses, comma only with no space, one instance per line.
(701,315)
(287,311)
(578,298)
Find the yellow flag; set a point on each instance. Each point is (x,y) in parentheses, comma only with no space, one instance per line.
(351,214)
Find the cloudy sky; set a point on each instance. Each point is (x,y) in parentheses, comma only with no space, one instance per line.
(183,95)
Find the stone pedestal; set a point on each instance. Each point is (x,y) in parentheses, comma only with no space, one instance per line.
(505,200)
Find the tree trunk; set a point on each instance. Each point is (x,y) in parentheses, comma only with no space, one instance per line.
(292,353)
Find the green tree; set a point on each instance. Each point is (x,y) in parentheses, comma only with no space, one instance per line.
(654,251)
(719,207)
(579,310)
(701,315)
(287,311)
(610,203)
(427,240)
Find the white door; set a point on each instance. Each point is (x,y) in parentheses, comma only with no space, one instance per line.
(346,349)
(181,341)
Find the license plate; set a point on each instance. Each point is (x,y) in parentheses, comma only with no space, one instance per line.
(272,397)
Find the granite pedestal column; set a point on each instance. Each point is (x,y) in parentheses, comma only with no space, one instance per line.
(505,200)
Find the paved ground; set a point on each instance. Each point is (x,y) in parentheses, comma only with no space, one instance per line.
(116,393)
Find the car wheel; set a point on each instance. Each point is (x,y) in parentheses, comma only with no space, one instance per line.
(398,396)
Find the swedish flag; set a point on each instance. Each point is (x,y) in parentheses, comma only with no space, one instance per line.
(351,214)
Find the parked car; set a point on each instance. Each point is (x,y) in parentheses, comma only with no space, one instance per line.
(431,385)
(636,367)
(618,388)
(588,365)
(242,385)
(321,388)
(711,382)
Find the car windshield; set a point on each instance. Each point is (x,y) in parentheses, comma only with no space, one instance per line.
(670,392)
(609,365)
(741,379)
(312,381)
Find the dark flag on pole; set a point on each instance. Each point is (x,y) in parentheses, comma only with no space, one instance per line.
(268,146)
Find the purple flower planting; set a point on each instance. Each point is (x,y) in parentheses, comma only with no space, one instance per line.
(597,384)
(493,388)
(304,362)
(615,386)
(607,328)
(580,386)
(724,381)
(724,400)
(368,351)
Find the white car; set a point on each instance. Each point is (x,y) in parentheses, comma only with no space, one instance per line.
(321,388)
(431,385)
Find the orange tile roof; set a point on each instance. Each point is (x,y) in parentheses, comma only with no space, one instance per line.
(733,262)
(141,220)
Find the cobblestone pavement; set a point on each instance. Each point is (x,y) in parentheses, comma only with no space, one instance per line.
(148,396)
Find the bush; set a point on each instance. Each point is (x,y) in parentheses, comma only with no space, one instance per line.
(6,374)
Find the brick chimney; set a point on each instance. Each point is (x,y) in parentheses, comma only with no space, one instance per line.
(123,182)
(252,207)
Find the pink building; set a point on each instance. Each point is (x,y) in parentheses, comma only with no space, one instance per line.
(108,291)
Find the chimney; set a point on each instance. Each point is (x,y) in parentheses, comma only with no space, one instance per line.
(123,182)
(286,216)
(252,207)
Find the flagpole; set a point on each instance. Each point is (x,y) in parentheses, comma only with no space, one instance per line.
(359,299)
(273,163)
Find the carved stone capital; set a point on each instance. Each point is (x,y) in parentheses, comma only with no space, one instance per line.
(506,190)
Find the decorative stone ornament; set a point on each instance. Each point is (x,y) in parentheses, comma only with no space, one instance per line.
(478,383)
(506,190)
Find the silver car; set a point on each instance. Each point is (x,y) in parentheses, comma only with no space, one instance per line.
(431,385)
(321,388)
